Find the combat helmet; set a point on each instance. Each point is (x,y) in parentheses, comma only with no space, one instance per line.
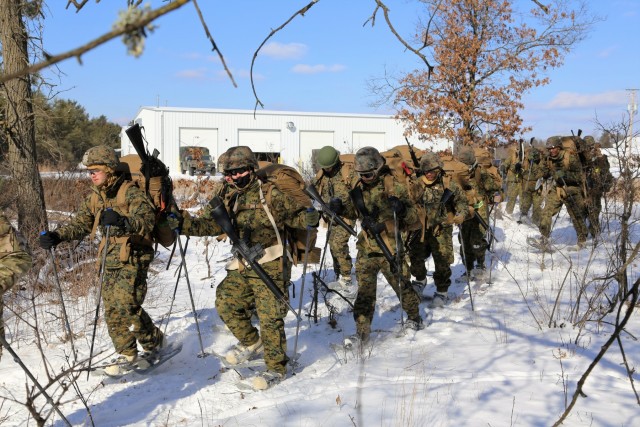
(368,159)
(554,141)
(430,161)
(327,157)
(239,157)
(101,155)
(467,156)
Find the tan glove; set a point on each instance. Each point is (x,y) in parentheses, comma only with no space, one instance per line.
(457,220)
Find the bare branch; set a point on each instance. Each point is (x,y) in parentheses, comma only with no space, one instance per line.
(78,52)
(301,12)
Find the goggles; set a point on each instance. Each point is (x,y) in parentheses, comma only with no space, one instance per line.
(237,171)
(367,174)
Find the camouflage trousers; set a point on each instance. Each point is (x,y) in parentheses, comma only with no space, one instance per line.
(575,205)
(368,265)
(1,323)
(123,292)
(339,245)
(514,190)
(594,208)
(440,246)
(239,294)
(473,245)
(529,198)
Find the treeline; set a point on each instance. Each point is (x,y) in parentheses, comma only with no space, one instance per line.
(64,131)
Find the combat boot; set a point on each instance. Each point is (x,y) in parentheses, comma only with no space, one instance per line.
(241,353)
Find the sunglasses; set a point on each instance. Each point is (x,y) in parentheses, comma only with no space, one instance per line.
(367,175)
(93,171)
(237,171)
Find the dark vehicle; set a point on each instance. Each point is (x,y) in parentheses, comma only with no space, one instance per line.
(196,160)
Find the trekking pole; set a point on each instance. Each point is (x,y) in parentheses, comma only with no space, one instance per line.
(491,258)
(17,359)
(95,319)
(193,306)
(464,262)
(175,289)
(304,276)
(314,302)
(64,310)
(399,265)
(173,251)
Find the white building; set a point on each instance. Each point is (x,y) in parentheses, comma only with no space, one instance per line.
(285,136)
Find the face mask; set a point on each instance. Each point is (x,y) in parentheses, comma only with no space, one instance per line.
(243,181)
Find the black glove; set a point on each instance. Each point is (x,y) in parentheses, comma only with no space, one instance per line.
(49,239)
(369,224)
(112,218)
(336,205)
(397,206)
(518,168)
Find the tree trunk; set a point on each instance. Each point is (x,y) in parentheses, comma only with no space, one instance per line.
(19,125)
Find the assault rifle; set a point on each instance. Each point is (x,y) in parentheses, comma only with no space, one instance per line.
(414,157)
(487,228)
(369,225)
(241,250)
(313,193)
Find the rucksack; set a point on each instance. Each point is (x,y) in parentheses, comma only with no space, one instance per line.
(289,181)
(159,191)
(485,159)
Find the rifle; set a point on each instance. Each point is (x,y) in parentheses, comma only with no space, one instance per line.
(487,228)
(312,192)
(242,250)
(372,228)
(414,157)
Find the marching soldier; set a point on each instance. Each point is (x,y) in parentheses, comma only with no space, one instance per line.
(532,183)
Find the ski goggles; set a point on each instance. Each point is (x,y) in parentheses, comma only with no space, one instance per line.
(367,174)
(237,171)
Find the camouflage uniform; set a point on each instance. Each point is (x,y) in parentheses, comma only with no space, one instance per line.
(532,171)
(242,291)
(599,182)
(437,240)
(129,253)
(480,187)
(566,171)
(370,259)
(15,260)
(512,169)
(332,185)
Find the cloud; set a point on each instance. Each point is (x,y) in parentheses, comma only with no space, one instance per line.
(193,74)
(593,100)
(284,51)
(316,69)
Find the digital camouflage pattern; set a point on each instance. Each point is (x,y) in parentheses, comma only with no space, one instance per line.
(514,177)
(438,232)
(532,198)
(599,182)
(242,290)
(126,266)
(370,261)
(483,185)
(15,260)
(332,185)
(568,183)
(101,155)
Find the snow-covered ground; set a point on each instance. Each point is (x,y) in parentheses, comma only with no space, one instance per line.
(513,361)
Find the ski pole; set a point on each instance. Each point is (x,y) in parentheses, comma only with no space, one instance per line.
(304,276)
(175,289)
(17,359)
(193,306)
(314,302)
(95,319)
(399,265)
(464,262)
(64,310)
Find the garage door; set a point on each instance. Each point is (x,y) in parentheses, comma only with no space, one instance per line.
(265,141)
(311,141)
(368,139)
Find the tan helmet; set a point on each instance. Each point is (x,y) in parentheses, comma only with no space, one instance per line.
(467,156)
(368,159)
(430,161)
(239,157)
(101,155)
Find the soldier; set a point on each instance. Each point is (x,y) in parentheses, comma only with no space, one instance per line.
(511,169)
(384,197)
(532,183)
(481,189)
(242,292)
(599,182)
(444,204)
(565,168)
(129,253)
(15,260)
(333,182)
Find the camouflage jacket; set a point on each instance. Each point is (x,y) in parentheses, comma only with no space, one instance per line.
(480,186)
(377,204)
(570,164)
(531,172)
(334,186)
(508,166)
(438,213)
(599,176)
(249,217)
(123,241)
(15,258)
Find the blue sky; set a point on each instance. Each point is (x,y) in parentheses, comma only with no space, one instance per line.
(320,62)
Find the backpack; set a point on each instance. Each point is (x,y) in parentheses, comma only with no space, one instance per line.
(158,188)
(485,159)
(289,181)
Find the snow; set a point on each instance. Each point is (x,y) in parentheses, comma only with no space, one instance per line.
(513,361)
